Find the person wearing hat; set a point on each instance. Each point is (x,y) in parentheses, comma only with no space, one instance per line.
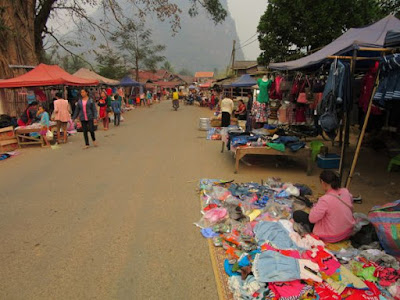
(29,114)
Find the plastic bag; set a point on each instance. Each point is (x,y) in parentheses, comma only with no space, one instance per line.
(220,193)
(212,217)
(361,220)
(49,135)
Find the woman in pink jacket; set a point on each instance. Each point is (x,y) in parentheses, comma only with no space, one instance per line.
(62,114)
(331,218)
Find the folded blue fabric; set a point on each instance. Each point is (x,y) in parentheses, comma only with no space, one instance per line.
(286,139)
(275,234)
(271,266)
(294,147)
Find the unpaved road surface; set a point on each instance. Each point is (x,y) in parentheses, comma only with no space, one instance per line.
(116,222)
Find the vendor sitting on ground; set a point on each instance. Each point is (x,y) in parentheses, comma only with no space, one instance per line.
(331,218)
(240,113)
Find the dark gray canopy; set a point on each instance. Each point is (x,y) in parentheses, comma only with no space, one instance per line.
(393,38)
(372,36)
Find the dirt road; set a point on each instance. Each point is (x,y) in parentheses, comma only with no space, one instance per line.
(115,222)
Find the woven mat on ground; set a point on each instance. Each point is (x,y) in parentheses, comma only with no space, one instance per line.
(217,256)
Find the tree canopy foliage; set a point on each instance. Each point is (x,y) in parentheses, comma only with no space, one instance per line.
(25,24)
(110,64)
(291,28)
(137,48)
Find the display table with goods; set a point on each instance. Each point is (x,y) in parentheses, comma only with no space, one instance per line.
(30,135)
(258,252)
(261,142)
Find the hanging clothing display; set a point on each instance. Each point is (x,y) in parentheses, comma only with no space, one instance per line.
(259,111)
(367,86)
(337,97)
(389,80)
(263,96)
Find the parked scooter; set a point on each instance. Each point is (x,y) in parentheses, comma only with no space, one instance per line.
(189,100)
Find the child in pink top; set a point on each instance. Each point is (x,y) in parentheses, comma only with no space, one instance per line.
(331,218)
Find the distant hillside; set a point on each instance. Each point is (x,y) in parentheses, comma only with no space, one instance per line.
(200,45)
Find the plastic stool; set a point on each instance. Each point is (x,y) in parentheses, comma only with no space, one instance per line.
(394,161)
(315,148)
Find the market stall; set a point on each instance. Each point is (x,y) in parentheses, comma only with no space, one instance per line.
(264,142)
(30,135)
(245,85)
(330,108)
(42,76)
(258,252)
(89,74)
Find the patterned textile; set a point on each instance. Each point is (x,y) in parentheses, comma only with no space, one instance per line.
(260,112)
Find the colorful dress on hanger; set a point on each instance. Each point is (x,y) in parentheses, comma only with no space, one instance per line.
(260,106)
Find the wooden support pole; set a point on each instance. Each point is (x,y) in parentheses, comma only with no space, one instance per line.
(362,134)
(347,118)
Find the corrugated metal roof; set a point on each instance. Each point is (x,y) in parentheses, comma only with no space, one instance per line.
(204,75)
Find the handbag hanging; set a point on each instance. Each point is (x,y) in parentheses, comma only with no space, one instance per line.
(305,92)
(285,85)
(296,86)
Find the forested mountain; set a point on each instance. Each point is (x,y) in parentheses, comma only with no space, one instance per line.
(198,45)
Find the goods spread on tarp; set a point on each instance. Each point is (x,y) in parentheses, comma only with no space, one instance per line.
(270,257)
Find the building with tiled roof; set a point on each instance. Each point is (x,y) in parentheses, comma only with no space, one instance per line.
(202,77)
(242,67)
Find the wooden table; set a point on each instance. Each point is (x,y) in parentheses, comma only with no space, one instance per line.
(302,153)
(24,139)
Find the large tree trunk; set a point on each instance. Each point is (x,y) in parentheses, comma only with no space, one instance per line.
(17,38)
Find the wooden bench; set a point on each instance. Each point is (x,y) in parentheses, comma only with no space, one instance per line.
(24,139)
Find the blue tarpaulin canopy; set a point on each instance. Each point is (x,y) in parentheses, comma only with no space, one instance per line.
(245,81)
(372,36)
(127,81)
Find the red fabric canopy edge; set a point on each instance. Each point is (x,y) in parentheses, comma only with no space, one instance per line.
(45,75)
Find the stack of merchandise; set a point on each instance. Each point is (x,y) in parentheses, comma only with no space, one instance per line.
(270,257)
(214,134)
(8,141)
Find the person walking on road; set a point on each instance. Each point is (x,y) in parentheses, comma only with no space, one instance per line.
(149,97)
(86,111)
(103,114)
(62,114)
(175,99)
(116,107)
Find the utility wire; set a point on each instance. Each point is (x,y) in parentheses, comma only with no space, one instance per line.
(247,44)
(250,38)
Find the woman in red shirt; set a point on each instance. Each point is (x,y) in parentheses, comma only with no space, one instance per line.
(103,114)
(241,111)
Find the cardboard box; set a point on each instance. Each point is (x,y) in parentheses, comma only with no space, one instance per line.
(8,145)
(7,133)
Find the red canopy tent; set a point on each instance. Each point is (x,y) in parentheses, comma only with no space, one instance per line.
(45,75)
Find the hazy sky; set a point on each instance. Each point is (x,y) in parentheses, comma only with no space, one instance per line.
(247,15)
